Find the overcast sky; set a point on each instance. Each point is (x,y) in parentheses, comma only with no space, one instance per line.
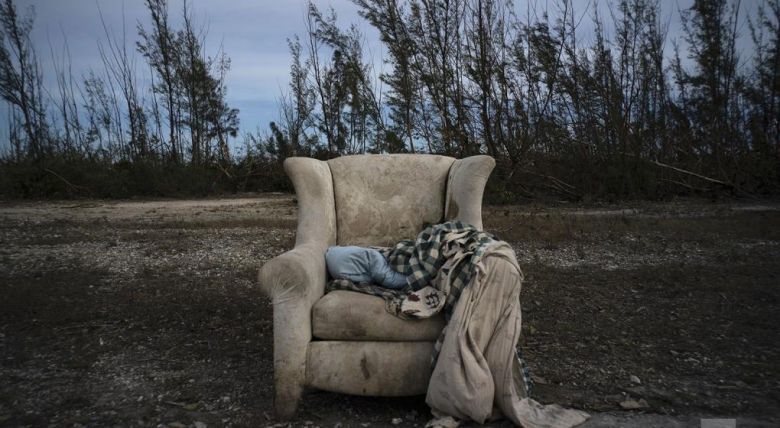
(253,33)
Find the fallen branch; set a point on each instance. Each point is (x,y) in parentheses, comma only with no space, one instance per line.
(686,185)
(685,171)
(705,178)
(557,183)
(73,186)
(224,171)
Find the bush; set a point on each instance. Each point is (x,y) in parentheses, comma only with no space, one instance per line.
(56,177)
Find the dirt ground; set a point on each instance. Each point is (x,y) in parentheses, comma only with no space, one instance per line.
(146,313)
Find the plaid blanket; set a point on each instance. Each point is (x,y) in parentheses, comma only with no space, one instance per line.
(442,256)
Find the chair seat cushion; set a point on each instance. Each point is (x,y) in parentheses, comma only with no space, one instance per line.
(348,315)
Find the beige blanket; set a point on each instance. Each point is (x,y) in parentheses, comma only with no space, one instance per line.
(477,375)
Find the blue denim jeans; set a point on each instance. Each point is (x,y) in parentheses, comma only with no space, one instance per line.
(360,264)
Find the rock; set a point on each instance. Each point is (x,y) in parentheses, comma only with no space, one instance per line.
(199,424)
(539,380)
(190,407)
(396,421)
(635,379)
(634,405)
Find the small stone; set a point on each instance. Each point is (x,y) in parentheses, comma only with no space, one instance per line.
(199,424)
(634,405)
(538,379)
(396,421)
(635,379)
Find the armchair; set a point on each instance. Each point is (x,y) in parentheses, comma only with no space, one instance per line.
(345,341)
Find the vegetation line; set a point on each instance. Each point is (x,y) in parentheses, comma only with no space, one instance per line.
(567,114)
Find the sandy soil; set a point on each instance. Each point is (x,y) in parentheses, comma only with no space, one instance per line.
(146,313)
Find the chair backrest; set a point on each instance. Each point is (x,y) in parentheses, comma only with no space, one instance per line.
(381,199)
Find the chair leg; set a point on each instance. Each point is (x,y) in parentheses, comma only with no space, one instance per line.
(287,397)
(292,334)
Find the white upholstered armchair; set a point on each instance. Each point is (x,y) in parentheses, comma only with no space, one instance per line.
(345,341)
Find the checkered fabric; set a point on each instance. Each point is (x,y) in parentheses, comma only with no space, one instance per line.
(422,259)
(452,249)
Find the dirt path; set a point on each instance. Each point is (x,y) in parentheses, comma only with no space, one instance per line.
(266,206)
(146,313)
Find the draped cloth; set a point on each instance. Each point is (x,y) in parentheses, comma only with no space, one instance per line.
(477,375)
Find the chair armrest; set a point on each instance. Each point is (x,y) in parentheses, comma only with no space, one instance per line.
(294,281)
(297,274)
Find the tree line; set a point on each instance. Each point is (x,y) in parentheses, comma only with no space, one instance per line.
(626,113)
(105,131)
(631,115)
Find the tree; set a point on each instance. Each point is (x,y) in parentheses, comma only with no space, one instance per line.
(387,16)
(120,69)
(20,76)
(710,30)
(762,88)
(349,114)
(297,106)
(159,47)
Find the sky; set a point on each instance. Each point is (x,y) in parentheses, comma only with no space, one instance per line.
(253,33)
